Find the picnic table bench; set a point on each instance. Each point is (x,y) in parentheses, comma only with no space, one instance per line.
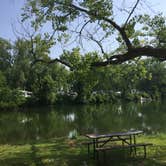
(103,142)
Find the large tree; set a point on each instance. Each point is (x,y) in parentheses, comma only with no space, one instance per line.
(129,30)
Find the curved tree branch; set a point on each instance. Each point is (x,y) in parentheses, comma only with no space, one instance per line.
(159,53)
(82,28)
(98,42)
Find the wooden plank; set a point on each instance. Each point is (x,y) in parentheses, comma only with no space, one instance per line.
(104,149)
(103,141)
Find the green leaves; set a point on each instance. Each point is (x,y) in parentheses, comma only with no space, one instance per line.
(100,8)
(62,15)
(153,29)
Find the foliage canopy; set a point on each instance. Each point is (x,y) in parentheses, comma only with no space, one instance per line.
(134,34)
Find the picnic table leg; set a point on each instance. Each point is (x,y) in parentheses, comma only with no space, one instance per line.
(122,142)
(130,144)
(135,147)
(88,149)
(144,151)
(95,145)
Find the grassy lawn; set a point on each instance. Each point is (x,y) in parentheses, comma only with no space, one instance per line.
(65,152)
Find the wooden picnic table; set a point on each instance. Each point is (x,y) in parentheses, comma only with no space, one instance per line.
(128,139)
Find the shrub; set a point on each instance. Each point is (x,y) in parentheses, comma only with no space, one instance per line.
(10,98)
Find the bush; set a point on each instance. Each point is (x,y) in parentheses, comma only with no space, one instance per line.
(99,98)
(10,98)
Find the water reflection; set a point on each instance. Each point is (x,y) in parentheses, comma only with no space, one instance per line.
(70,117)
(70,121)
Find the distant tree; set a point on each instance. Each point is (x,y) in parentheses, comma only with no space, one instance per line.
(156,85)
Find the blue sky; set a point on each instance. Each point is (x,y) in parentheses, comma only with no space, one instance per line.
(10,11)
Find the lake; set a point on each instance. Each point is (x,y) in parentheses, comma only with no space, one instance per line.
(66,121)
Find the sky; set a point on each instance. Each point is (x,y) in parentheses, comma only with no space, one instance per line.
(10,11)
(10,14)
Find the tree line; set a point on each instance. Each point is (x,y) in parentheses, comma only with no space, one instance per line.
(53,83)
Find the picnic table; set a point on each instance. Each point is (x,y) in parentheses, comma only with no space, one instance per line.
(101,142)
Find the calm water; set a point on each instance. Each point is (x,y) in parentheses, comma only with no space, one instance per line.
(70,121)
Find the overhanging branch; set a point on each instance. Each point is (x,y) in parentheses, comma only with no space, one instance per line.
(111,22)
(159,53)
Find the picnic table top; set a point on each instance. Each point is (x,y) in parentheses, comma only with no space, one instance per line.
(114,134)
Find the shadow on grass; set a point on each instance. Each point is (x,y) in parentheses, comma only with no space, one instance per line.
(130,162)
(50,153)
(119,159)
(63,152)
(156,156)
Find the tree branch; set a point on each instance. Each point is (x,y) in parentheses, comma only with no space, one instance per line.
(60,61)
(84,26)
(159,53)
(114,24)
(98,43)
(132,11)
(51,62)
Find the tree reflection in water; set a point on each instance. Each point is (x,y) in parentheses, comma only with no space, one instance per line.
(71,121)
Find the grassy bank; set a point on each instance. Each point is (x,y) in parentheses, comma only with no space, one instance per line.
(66,152)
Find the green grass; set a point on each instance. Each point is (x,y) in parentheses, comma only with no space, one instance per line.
(66,152)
